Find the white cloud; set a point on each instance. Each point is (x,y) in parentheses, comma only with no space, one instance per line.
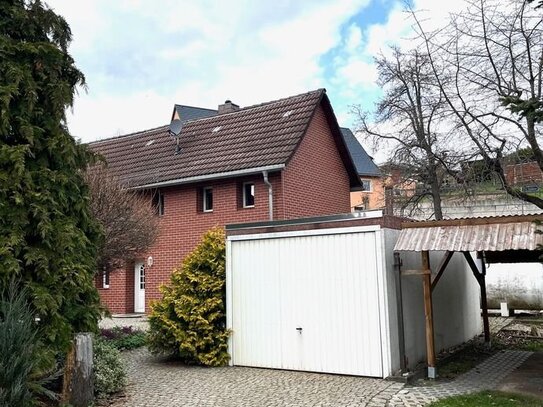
(356,72)
(141,58)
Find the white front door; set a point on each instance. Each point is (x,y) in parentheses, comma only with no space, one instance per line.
(139,287)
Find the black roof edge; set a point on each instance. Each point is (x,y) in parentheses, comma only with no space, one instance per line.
(301,221)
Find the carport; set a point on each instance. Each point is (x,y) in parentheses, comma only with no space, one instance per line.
(493,240)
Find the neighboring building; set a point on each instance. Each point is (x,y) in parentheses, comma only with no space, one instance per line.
(228,167)
(526,175)
(372,195)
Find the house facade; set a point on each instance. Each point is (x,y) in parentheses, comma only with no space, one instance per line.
(372,193)
(273,161)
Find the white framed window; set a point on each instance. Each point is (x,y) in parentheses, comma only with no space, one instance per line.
(207,199)
(248,195)
(366,185)
(158,203)
(105,279)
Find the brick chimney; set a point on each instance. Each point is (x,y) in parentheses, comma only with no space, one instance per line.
(228,107)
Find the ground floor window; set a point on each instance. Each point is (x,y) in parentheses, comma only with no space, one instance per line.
(105,279)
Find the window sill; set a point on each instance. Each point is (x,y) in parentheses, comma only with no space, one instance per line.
(248,207)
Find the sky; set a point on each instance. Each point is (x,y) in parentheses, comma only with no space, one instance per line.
(141,57)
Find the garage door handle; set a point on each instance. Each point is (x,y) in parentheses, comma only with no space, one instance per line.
(299,329)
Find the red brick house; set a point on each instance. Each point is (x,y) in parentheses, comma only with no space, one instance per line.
(283,159)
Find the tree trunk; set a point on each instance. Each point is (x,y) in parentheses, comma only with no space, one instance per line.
(78,385)
(436,199)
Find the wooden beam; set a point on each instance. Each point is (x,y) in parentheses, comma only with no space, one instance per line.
(429,316)
(441,268)
(415,272)
(480,277)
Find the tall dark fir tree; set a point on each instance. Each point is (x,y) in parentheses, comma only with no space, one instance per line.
(48,238)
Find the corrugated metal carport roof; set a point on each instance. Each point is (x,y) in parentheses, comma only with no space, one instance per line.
(472,234)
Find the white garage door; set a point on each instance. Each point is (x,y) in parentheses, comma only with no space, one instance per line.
(306,303)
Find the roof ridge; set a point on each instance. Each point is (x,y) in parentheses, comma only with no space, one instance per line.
(135,133)
(243,109)
(141,132)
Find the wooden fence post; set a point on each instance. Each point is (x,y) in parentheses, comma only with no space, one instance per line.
(78,383)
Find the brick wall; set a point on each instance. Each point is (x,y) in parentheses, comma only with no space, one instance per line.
(119,297)
(181,228)
(315,180)
(524,173)
(314,183)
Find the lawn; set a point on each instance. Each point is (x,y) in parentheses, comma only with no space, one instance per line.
(488,399)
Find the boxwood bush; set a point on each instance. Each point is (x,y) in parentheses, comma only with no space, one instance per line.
(190,321)
(109,369)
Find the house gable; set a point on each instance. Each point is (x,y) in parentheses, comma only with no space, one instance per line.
(316,181)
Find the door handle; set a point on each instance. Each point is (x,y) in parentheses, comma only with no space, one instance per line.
(299,329)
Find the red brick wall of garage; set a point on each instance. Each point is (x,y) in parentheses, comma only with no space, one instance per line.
(315,180)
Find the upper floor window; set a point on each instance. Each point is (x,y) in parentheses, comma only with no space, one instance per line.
(207,195)
(158,203)
(366,185)
(248,195)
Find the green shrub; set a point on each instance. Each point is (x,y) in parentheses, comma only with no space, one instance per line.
(22,377)
(189,321)
(123,338)
(109,369)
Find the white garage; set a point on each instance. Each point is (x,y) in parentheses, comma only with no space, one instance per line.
(325,295)
(306,300)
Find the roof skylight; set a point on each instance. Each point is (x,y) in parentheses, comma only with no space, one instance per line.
(287,114)
(216,129)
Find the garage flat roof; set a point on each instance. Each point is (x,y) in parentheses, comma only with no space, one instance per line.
(365,218)
(500,233)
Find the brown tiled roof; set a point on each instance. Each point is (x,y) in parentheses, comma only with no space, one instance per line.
(253,137)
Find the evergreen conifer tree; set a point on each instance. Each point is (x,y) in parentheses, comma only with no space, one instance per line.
(48,238)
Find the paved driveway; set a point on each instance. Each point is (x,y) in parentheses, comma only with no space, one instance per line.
(156,382)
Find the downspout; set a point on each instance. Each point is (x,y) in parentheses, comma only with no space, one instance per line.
(270,193)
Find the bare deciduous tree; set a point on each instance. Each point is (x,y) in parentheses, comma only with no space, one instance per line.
(408,117)
(127,217)
(490,54)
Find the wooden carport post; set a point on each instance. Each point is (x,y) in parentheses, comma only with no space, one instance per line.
(429,315)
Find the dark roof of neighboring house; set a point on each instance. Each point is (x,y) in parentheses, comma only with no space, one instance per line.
(256,137)
(187,113)
(363,162)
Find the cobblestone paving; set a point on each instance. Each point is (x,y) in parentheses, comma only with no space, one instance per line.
(157,382)
(485,376)
(138,321)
